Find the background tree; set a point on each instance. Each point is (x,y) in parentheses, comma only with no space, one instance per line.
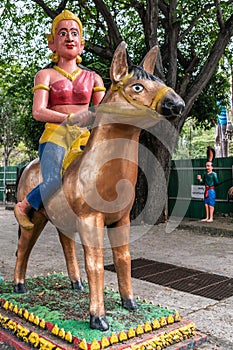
(192,36)
(16,122)
(10,110)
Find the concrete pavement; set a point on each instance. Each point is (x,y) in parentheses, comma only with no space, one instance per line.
(192,245)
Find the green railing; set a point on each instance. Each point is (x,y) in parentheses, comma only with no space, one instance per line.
(180,191)
(8,177)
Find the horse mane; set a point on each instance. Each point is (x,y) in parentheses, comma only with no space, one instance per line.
(140,73)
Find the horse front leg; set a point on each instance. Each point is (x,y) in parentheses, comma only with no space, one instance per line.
(91,231)
(69,249)
(119,236)
(26,242)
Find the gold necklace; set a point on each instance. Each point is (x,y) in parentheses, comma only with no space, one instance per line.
(70,76)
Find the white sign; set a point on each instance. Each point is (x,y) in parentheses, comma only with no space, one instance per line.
(197,191)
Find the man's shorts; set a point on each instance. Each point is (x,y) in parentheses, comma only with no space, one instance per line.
(210,200)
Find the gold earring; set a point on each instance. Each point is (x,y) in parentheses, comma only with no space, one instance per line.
(54,57)
(78,59)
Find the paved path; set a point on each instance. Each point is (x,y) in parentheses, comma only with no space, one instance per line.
(202,249)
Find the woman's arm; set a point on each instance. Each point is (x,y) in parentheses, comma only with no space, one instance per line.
(40,110)
(98,95)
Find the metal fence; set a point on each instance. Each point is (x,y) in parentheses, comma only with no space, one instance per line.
(185,195)
(8,177)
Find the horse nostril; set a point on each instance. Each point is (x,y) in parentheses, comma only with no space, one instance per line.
(171,108)
(178,108)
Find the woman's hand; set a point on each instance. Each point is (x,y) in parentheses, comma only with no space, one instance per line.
(80,119)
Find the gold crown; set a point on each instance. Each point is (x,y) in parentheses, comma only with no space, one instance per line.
(66,14)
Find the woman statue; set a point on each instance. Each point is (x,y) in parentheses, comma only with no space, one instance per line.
(63,92)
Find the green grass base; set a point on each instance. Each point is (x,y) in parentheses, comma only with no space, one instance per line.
(52,299)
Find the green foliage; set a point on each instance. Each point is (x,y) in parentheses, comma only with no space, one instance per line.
(205,110)
(190,30)
(194,140)
(21,32)
(16,121)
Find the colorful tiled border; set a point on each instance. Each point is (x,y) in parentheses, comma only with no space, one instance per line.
(26,335)
(161,340)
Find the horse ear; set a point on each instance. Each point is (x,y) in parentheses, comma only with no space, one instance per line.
(149,61)
(119,65)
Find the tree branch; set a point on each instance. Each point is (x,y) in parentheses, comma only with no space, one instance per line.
(172,39)
(194,22)
(103,52)
(163,7)
(151,23)
(113,31)
(51,13)
(210,65)
(219,14)
(139,7)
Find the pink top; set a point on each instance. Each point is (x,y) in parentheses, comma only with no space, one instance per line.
(77,92)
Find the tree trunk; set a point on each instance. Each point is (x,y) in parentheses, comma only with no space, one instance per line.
(155,152)
(221,142)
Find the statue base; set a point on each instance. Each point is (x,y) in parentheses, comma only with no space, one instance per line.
(52,316)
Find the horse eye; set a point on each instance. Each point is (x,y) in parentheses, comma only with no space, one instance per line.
(137,88)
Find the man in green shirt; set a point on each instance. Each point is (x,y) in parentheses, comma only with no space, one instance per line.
(210,180)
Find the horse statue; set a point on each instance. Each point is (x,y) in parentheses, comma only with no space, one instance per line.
(98,187)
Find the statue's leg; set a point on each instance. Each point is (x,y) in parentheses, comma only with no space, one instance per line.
(26,242)
(69,249)
(91,231)
(119,236)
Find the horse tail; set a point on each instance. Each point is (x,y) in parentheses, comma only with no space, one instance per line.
(19,235)
(19,174)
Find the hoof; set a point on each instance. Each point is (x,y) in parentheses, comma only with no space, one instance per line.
(20,288)
(99,323)
(77,285)
(129,304)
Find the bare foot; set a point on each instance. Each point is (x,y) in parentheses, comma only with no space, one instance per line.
(210,220)
(204,220)
(22,218)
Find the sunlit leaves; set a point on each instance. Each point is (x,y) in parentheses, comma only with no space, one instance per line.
(23,46)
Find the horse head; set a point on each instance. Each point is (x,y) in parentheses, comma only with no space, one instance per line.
(138,85)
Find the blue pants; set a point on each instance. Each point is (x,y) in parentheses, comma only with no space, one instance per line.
(210,200)
(51,159)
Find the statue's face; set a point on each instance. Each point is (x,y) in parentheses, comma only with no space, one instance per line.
(209,167)
(67,39)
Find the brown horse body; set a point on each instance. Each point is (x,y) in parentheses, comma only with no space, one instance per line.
(98,187)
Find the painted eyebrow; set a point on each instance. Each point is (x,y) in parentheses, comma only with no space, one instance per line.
(76,29)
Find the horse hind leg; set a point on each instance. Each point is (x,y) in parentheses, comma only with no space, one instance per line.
(26,242)
(69,249)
